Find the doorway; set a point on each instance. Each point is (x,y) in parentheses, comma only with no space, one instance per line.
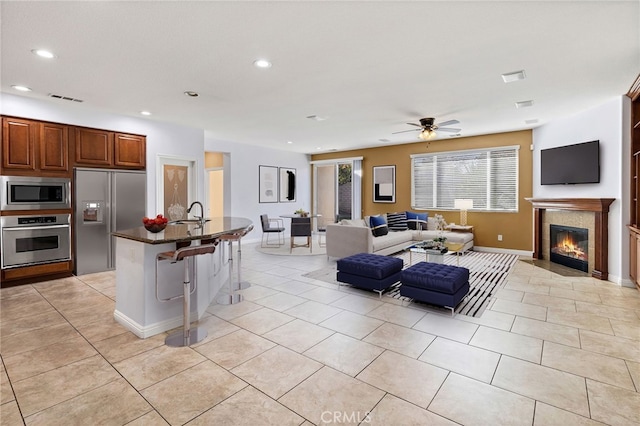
(217,184)
(337,189)
(216,193)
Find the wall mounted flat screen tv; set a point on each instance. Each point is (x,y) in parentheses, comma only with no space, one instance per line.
(570,164)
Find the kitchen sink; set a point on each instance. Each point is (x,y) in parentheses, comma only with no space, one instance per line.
(188,221)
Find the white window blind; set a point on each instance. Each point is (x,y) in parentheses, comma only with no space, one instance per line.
(489,177)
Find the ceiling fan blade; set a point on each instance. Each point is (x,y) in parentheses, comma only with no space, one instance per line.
(448,123)
(414,124)
(404,131)
(448,129)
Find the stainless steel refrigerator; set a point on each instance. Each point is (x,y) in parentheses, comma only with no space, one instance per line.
(105,201)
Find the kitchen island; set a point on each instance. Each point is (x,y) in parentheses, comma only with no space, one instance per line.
(141,279)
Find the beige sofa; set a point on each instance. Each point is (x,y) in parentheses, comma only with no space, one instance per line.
(354,236)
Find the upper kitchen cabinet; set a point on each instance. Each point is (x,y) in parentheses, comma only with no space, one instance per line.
(101,148)
(94,147)
(54,147)
(130,151)
(19,144)
(34,148)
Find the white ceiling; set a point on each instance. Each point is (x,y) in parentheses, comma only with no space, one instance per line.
(369,66)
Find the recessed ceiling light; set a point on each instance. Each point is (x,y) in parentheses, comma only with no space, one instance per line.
(524,104)
(318,148)
(43,53)
(191,93)
(289,142)
(145,113)
(21,88)
(510,77)
(262,63)
(532,121)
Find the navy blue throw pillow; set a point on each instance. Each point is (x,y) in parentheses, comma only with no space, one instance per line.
(378,226)
(417,220)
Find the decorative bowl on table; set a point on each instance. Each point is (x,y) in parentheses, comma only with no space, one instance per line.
(155,224)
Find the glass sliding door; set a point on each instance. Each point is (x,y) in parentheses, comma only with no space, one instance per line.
(345,190)
(337,189)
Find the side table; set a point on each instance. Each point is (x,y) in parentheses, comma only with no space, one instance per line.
(459,228)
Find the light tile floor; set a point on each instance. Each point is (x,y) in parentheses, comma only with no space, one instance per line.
(550,350)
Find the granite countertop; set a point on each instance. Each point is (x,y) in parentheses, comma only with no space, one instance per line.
(215,227)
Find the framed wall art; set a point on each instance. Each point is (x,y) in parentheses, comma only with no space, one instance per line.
(384,184)
(287,185)
(267,184)
(175,186)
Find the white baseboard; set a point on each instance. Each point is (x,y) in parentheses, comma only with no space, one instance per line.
(623,282)
(522,253)
(152,329)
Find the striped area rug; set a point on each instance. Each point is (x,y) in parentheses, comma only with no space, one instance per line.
(487,274)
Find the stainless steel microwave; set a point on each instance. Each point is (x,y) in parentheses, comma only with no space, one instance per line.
(35,193)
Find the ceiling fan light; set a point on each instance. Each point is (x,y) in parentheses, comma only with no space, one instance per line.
(427,134)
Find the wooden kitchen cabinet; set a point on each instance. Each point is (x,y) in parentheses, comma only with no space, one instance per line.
(130,151)
(101,148)
(39,148)
(34,148)
(54,147)
(94,147)
(18,145)
(634,221)
(634,252)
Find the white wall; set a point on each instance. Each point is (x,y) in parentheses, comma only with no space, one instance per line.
(243,169)
(162,138)
(606,124)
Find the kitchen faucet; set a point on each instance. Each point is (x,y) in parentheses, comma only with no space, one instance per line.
(201,217)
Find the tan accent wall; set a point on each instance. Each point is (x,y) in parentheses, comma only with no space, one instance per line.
(516,228)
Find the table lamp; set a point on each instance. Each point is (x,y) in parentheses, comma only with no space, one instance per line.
(463,204)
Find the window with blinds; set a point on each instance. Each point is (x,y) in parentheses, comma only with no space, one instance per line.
(489,177)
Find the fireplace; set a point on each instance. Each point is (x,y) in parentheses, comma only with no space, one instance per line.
(569,246)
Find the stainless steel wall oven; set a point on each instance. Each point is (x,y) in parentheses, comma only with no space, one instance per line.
(34,193)
(31,240)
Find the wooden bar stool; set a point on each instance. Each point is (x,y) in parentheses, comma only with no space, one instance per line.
(232,296)
(188,335)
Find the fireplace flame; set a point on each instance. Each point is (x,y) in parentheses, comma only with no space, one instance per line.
(568,247)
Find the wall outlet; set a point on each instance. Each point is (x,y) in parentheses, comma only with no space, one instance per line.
(499,237)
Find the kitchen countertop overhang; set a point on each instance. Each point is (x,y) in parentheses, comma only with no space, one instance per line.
(214,227)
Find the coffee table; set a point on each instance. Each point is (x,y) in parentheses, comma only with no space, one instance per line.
(436,255)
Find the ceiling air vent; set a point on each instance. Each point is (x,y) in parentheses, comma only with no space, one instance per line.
(65,98)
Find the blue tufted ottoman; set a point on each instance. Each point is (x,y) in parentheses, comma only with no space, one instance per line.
(370,271)
(435,283)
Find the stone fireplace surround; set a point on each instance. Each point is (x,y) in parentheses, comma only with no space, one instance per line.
(598,228)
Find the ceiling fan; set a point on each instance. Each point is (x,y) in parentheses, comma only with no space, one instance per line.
(428,127)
